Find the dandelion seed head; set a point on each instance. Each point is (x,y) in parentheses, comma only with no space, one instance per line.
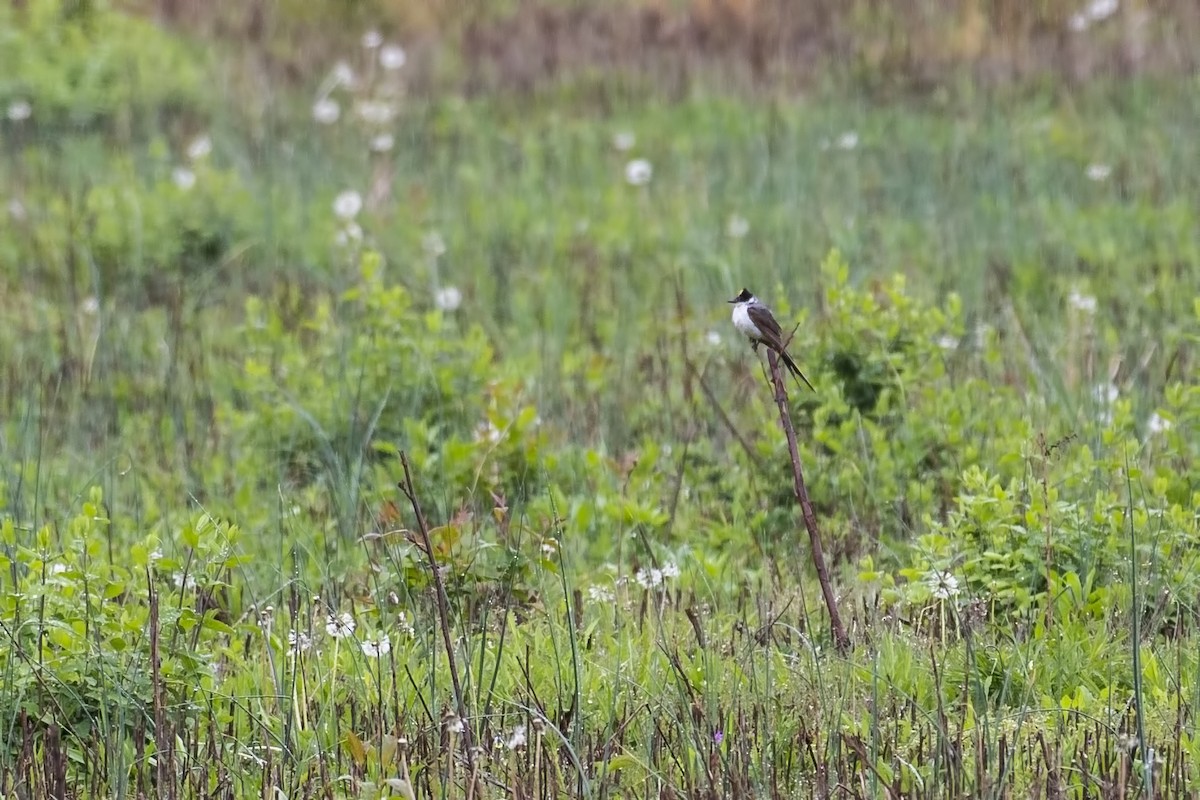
(183,177)
(382,143)
(847,140)
(392,57)
(19,110)
(347,205)
(737,226)
(372,39)
(516,738)
(942,584)
(342,74)
(447,298)
(623,141)
(375,112)
(326,111)
(1081,302)
(1157,424)
(199,147)
(638,172)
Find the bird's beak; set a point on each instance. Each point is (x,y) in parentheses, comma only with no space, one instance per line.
(734,300)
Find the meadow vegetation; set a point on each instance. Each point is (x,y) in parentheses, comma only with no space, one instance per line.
(236,293)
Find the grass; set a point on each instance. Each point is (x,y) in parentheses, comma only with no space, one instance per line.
(206,394)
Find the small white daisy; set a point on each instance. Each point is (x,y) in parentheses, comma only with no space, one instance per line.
(340,626)
(379,646)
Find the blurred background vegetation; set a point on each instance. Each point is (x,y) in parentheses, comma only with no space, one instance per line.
(249,252)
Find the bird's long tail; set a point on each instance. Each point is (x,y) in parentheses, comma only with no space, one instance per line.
(791,365)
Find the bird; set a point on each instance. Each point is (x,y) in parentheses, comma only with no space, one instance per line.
(752,318)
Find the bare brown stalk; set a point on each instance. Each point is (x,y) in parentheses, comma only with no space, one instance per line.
(443,606)
(840,639)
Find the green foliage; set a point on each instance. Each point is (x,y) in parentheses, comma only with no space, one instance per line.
(213,361)
(96,70)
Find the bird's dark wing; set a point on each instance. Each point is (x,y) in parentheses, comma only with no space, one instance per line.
(764,320)
(772,337)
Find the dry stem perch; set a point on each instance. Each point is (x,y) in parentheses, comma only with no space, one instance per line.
(841,640)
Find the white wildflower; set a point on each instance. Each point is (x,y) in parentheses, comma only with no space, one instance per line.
(372,39)
(670,570)
(326,111)
(392,57)
(340,626)
(16,210)
(638,172)
(649,578)
(19,110)
(713,338)
(347,204)
(623,141)
(405,625)
(600,594)
(183,177)
(448,298)
(1098,172)
(454,723)
(89,306)
(379,646)
(488,432)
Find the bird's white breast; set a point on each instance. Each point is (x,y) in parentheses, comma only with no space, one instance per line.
(742,321)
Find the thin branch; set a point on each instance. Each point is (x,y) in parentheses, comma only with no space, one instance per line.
(443,604)
(841,640)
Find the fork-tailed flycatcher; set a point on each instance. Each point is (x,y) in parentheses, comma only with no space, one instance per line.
(756,321)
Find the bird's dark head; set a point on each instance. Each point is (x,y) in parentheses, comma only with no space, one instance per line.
(743,297)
